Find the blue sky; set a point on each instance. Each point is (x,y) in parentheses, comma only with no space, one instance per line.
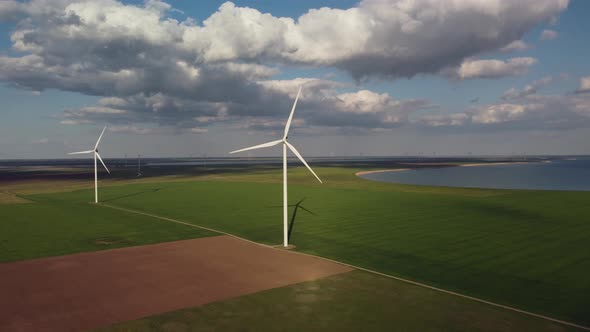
(366,96)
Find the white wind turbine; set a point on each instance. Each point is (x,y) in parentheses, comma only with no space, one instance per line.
(286,145)
(96,155)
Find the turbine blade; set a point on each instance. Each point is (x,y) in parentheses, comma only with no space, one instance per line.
(102,162)
(302,160)
(99,137)
(288,125)
(306,210)
(264,145)
(81,152)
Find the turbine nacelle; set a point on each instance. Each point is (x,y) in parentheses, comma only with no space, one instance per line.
(95,151)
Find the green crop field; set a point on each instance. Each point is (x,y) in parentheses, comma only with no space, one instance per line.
(527,249)
(51,226)
(354,301)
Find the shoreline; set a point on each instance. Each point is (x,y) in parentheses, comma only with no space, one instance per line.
(381,171)
(360,173)
(495,164)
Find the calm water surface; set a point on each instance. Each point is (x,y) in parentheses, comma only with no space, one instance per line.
(556,175)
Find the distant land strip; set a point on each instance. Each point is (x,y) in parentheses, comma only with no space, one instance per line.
(457,165)
(382,171)
(495,164)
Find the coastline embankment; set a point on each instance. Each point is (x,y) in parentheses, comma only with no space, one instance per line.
(360,173)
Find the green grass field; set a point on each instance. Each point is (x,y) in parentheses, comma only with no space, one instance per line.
(527,249)
(51,226)
(354,301)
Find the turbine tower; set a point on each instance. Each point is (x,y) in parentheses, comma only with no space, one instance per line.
(96,155)
(286,145)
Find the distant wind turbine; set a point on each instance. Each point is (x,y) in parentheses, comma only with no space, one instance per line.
(138,165)
(96,155)
(286,145)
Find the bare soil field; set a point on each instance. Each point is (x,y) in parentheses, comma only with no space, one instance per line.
(10,198)
(89,290)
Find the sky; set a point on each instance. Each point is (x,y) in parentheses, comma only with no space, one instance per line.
(378,77)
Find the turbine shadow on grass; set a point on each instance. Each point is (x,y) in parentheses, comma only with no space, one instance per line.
(133,194)
(294,215)
(504,212)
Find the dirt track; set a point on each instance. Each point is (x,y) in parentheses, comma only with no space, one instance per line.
(89,290)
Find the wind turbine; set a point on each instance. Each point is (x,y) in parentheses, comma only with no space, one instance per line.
(96,155)
(286,145)
(138,165)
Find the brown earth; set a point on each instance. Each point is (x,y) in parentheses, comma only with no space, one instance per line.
(89,290)
(10,198)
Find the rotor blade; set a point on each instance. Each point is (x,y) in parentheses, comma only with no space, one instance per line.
(81,152)
(291,115)
(102,162)
(264,145)
(306,210)
(302,160)
(298,205)
(99,137)
(300,201)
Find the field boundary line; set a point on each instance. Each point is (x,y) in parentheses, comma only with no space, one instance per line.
(415,283)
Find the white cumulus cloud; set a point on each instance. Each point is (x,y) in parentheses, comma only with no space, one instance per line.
(548,34)
(517,45)
(471,69)
(149,68)
(584,85)
(529,89)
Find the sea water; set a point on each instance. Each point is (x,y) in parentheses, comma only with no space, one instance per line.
(554,175)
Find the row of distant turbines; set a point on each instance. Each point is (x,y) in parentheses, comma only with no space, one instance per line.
(284,141)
